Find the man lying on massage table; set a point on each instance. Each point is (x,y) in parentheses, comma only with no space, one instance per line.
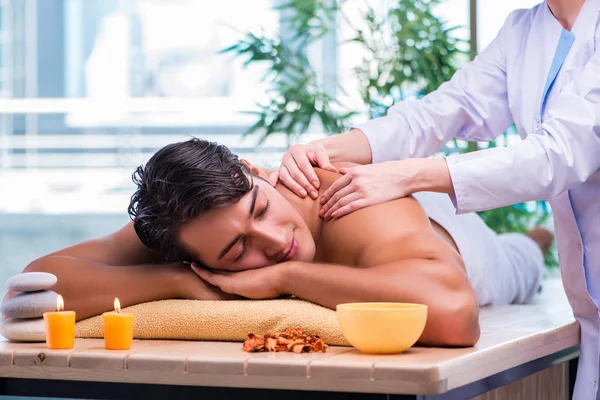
(197,202)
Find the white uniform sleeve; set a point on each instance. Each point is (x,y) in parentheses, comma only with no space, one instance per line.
(564,152)
(473,105)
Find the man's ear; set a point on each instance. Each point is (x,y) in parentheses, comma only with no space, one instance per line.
(255,170)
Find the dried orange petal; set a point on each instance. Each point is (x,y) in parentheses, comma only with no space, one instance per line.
(292,339)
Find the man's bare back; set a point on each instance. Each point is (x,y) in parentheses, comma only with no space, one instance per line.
(353,239)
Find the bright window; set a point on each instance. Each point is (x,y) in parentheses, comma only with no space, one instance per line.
(167,50)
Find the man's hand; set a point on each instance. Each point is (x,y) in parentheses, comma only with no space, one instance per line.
(260,283)
(193,287)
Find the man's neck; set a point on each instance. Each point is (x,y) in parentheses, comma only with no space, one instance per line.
(565,11)
(307,207)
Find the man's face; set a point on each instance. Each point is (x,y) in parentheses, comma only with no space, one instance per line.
(261,229)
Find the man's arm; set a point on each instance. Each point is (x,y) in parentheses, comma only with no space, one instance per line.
(438,282)
(399,250)
(92,273)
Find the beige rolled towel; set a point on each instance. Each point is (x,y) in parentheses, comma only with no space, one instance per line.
(230,320)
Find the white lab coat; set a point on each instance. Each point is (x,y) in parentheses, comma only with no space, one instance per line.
(558,158)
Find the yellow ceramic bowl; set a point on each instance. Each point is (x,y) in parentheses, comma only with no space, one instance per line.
(382,328)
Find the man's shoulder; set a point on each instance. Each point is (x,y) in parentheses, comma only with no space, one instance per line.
(391,231)
(406,209)
(395,218)
(384,227)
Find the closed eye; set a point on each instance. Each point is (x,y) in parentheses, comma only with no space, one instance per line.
(264,210)
(245,239)
(238,258)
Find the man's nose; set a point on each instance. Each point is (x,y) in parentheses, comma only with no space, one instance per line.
(272,241)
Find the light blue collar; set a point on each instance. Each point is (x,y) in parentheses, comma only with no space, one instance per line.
(562,50)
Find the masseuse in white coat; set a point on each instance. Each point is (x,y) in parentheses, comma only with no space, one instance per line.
(541,73)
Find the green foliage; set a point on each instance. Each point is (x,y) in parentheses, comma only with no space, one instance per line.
(407,51)
(295,95)
(310,19)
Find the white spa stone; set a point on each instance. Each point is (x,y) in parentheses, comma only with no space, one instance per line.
(31,281)
(23,330)
(30,304)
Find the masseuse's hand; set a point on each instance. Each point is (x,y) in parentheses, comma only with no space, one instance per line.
(366,185)
(260,283)
(297,169)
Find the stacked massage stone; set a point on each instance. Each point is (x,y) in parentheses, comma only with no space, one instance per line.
(25,322)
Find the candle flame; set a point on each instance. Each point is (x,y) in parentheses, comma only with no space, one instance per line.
(60,303)
(117,305)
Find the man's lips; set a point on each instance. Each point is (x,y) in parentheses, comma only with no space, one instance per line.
(292,251)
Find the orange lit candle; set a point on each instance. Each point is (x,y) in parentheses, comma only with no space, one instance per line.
(60,326)
(118,329)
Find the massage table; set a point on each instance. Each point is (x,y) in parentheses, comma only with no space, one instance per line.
(523,349)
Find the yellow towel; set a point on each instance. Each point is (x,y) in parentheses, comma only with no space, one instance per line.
(230,320)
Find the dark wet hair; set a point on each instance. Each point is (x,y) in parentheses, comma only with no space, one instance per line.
(180,182)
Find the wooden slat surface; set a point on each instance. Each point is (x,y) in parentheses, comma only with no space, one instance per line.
(549,384)
(511,336)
